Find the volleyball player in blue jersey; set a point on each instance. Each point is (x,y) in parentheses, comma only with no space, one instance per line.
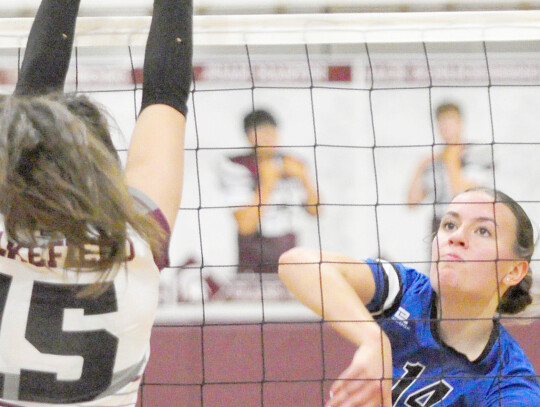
(82,241)
(441,343)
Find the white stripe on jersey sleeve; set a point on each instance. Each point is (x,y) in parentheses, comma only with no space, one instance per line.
(393,286)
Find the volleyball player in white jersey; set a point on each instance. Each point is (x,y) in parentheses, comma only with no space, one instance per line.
(83,241)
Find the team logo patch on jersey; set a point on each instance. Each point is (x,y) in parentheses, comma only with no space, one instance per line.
(402,317)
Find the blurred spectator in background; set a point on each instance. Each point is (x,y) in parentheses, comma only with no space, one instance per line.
(451,170)
(266,189)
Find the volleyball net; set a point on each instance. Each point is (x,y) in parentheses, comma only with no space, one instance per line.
(354,96)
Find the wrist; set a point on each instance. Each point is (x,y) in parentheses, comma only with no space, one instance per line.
(371,335)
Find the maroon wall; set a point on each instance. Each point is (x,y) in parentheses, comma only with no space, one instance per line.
(275,365)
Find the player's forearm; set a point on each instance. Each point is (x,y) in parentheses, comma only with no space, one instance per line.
(48,50)
(312,201)
(248,218)
(458,181)
(324,289)
(416,193)
(168,57)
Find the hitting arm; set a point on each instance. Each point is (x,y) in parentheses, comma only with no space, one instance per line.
(338,288)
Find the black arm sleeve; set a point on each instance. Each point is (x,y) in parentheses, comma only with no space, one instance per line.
(48,50)
(168,57)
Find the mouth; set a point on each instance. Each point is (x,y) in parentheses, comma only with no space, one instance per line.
(450,257)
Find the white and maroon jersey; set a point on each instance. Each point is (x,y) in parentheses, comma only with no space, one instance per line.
(239,178)
(278,224)
(58,348)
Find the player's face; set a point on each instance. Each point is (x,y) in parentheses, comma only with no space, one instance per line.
(450,126)
(265,138)
(473,248)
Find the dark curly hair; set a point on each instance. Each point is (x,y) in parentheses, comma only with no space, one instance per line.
(257,118)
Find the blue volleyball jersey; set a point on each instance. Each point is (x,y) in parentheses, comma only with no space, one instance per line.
(427,372)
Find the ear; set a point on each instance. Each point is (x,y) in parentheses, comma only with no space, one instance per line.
(517,273)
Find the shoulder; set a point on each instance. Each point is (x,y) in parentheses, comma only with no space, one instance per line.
(428,161)
(512,391)
(237,166)
(513,356)
(411,277)
(478,155)
(292,159)
(394,282)
(408,277)
(416,292)
(237,173)
(515,381)
(247,161)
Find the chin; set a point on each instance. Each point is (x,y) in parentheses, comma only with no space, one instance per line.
(444,278)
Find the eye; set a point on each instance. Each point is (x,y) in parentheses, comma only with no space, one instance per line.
(448,225)
(482,231)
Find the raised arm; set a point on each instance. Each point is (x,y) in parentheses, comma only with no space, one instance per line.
(333,285)
(48,49)
(155,158)
(417,192)
(248,217)
(338,288)
(452,158)
(296,168)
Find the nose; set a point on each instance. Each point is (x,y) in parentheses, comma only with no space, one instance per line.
(457,237)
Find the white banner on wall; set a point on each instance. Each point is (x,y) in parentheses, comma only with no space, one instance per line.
(361,126)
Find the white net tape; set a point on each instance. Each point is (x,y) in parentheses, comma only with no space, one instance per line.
(306,29)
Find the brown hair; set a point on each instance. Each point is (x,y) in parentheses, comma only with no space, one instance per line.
(257,118)
(517,297)
(447,107)
(59,177)
(95,117)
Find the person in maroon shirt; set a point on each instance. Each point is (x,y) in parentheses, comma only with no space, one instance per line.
(266,187)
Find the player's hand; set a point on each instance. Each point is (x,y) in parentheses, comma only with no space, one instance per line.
(270,171)
(293,168)
(362,383)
